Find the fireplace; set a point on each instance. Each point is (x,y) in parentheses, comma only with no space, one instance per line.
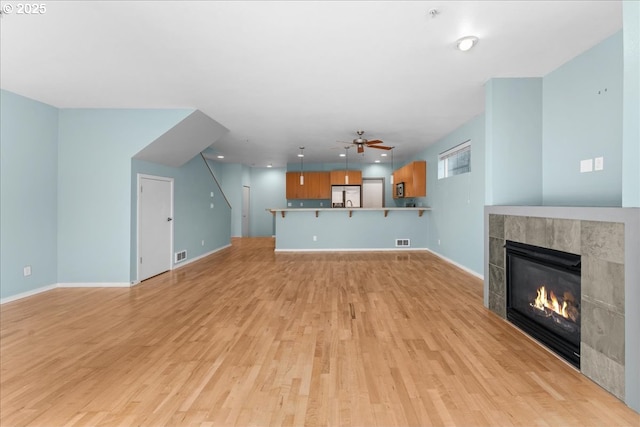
(544,296)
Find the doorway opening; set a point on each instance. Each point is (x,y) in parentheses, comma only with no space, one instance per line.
(154,225)
(246,204)
(372,192)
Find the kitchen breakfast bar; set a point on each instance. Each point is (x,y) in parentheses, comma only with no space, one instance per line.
(350,229)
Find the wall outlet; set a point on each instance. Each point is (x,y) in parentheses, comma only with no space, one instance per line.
(212,194)
(301,204)
(438,242)
(315,238)
(289,204)
(211,205)
(320,204)
(203,243)
(26,271)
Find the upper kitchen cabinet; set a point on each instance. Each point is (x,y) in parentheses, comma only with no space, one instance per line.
(316,185)
(294,189)
(414,176)
(346,177)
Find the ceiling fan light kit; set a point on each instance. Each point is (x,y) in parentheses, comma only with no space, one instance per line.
(362,142)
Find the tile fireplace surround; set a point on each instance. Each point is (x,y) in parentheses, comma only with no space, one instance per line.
(608,239)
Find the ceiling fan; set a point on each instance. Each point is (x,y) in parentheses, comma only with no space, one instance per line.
(361,142)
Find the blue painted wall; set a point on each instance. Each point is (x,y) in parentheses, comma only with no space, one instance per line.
(456,222)
(582,116)
(513,141)
(267,191)
(364,230)
(232,176)
(631,106)
(94,184)
(194,219)
(28,194)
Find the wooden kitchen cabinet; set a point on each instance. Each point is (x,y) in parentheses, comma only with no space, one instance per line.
(340,177)
(294,189)
(414,176)
(316,185)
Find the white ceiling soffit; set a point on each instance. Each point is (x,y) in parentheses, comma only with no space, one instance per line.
(184,141)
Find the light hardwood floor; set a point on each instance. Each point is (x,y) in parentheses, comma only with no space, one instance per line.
(251,337)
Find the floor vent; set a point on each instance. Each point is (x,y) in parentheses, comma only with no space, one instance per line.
(403,243)
(180,256)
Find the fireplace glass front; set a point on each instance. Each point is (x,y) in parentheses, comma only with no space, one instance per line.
(543,296)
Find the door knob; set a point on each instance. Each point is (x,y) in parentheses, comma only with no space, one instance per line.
(169,219)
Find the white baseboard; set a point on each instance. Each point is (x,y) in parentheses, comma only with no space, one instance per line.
(28,293)
(65,285)
(95,285)
(460,266)
(189,261)
(354,250)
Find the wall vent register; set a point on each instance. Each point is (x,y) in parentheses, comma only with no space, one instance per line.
(403,243)
(180,256)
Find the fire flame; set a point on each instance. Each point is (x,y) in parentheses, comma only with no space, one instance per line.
(551,302)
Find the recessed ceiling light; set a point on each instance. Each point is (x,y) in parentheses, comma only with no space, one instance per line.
(383,155)
(342,155)
(220,156)
(376,161)
(269,165)
(466,43)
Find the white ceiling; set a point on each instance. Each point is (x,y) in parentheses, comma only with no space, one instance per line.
(280,75)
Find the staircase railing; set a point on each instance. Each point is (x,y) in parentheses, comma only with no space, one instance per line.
(215,179)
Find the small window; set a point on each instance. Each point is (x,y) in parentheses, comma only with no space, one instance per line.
(455,161)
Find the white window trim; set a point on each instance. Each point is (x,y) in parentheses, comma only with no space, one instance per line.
(445,155)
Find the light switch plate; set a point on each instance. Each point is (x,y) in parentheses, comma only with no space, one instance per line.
(586,165)
(599,163)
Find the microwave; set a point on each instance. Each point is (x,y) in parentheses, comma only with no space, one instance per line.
(400,189)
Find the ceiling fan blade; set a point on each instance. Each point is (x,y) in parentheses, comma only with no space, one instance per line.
(374,141)
(360,148)
(381,147)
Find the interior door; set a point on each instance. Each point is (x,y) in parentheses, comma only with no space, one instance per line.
(373,192)
(155,225)
(246,196)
